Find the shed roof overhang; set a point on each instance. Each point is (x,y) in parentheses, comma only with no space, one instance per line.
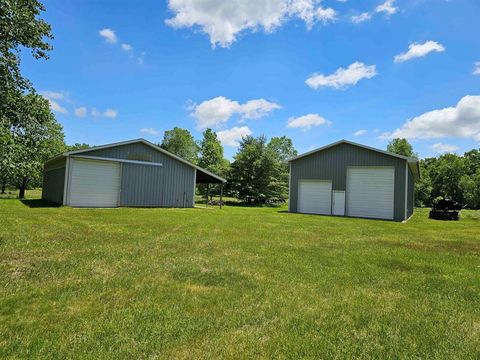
(204,177)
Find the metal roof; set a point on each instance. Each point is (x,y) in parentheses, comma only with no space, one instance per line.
(140,140)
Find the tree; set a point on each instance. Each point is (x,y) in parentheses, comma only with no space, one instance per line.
(211,158)
(211,152)
(283,147)
(6,160)
(78,146)
(423,186)
(283,150)
(180,142)
(445,173)
(36,138)
(401,147)
(256,173)
(20,27)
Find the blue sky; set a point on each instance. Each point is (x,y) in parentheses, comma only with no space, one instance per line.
(315,71)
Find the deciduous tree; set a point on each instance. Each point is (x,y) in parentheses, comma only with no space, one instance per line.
(180,142)
(36,138)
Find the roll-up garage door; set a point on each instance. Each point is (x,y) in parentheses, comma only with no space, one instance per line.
(370,192)
(94,183)
(314,197)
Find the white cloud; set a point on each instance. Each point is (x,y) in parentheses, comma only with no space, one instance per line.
(55,106)
(416,50)
(126,47)
(108,35)
(224,20)
(256,109)
(462,120)
(149,131)
(387,7)
(214,112)
(110,113)
(444,148)
(343,78)
(217,111)
(360,133)
(476,68)
(357,19)
(81,112)
(55,95)
(231,137)
(307,121)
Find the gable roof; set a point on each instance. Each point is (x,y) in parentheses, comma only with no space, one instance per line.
(145,142)
(412,162)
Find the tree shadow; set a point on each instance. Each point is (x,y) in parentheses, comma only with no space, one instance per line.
(39,203)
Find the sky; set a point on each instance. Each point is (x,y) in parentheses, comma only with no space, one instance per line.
(314,71)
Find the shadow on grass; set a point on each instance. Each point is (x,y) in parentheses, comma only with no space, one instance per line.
(39,203)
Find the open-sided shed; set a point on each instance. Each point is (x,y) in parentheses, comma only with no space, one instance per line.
(130,173)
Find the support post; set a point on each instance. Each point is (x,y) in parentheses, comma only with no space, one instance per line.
(208,193)
(221,194)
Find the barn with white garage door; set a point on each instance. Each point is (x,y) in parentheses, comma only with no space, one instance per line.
(129,173)
(350,179)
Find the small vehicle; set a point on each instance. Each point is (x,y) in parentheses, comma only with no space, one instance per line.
(445,209)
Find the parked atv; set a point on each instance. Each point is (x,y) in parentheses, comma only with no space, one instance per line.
(445,209)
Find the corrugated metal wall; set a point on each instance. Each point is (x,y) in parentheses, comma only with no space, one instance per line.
(411,193)
(54,181)
(166,186)
(171,185)
(332,163)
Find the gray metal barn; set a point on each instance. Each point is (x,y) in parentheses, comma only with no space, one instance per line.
(130,173)
(349,179)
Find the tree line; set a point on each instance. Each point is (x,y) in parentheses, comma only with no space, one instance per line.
(448,175)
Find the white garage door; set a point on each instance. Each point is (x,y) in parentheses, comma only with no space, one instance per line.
(94,183)
(314,197)
(370,192)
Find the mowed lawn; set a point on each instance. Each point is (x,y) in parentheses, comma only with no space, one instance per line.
(235,283)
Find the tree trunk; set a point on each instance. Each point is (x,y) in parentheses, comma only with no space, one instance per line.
(4,185)
(22,187)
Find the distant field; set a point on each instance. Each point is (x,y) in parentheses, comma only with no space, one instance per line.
(235,283)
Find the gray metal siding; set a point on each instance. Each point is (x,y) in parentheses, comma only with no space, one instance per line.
(171,185)
(332,163)
(411,194)
(54,181)
(166,186)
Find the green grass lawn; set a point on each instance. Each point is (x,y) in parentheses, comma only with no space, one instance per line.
(235,283)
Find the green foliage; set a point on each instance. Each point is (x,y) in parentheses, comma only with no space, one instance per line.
(28,131)
(78,146)
(20,27)
(180,142)
(283,148)
(401,147)
(449,175)
(35,138)
(211,154)
(259,173)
